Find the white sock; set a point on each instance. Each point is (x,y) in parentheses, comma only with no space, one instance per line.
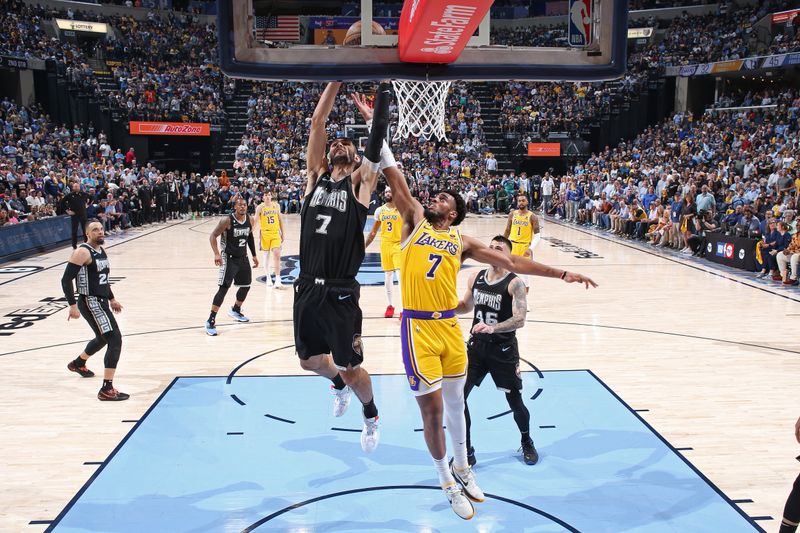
(278,277)
(265,254)
(453,396)
(400,292)
(388,282)
(443,470)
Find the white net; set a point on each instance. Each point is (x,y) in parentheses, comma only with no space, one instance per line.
(421,108)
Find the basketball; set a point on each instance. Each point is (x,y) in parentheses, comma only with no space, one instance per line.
(353,37)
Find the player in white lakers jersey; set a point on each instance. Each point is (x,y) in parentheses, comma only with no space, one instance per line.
(388,220)
(270,227)
(433,346)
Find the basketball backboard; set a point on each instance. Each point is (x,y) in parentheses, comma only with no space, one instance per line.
(303,40)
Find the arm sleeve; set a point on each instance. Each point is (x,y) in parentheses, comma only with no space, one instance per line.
(380,123)
(70,273)
(251,243)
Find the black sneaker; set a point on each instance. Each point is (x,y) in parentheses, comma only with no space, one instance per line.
(112,395)
(82,370)
(471,456)
(529,453)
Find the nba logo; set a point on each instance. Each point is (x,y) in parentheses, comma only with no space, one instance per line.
(580,23)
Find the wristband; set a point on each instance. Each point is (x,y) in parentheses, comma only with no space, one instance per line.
(387,158)
(372,166)
(369,125)
(563,275)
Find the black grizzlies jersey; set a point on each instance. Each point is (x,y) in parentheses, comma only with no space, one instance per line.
(93,278)
(332,230)
(234,240)
(493,304)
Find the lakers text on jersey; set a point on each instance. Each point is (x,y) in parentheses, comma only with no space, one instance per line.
(431,338)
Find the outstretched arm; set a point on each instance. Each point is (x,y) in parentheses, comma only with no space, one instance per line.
(366,179)
(507,231)
(373,232)
(467,302)
(475,249)
(316,161)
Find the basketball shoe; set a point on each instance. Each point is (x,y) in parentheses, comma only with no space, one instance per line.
(341,400)
(529,453)
(467,481)
(459,503)
(237,315)
(82,370)
(370,435)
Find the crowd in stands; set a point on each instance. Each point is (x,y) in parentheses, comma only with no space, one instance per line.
(732,171)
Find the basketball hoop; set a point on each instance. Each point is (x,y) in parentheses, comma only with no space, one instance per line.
(421,108)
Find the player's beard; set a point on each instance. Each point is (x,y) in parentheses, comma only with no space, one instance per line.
(101,240)
(432,216)
(343,159)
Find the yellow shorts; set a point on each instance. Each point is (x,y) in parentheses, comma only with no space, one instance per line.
(432,350)
(390,256)
(268,243)
(518,248)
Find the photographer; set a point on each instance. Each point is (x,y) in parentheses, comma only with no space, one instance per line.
(703,224)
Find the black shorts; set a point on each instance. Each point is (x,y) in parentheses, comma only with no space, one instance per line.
(327,319)
(235,270)
(499,360)
(98,314)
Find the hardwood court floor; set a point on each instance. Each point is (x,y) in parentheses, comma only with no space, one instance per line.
(711,360)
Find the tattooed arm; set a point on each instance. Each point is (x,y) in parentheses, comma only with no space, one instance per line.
(520,306)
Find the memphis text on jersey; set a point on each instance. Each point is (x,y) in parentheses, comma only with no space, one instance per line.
(426,239)
(237,232)
(488,299)
(334,199)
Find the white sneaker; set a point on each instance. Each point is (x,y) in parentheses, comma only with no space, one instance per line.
(459,503)
(278,284)
(370,435)
(467,481)
(268,282)
(341,399)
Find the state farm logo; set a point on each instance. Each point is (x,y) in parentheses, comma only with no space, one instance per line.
(448,29)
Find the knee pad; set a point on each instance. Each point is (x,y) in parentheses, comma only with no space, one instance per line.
(95,345)
(241,293)
(221,292)
(114,340)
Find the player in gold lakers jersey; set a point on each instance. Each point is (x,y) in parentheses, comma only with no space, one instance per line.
(270,224)
(388,220)
(433,348)
(523,230)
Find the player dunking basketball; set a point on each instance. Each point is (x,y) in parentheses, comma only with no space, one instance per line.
(389,221)
(433,346)
(89,264)
(327,316)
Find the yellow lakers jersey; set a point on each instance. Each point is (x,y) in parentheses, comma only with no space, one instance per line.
(270,225)
(521,229)
(391,224)
(430,263)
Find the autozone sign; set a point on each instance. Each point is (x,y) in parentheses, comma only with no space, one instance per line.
(170,128)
